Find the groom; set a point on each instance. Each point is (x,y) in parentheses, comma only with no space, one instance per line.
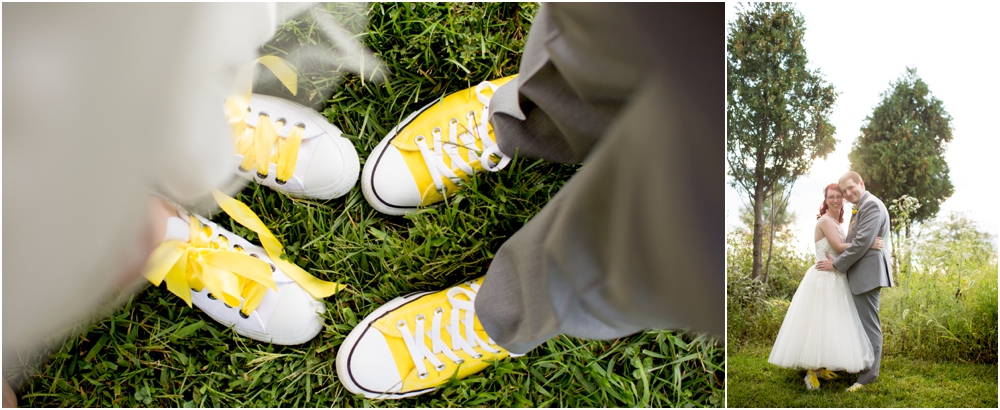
(867,269)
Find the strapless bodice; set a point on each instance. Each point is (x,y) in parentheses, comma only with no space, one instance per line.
(823,245)
(822,248)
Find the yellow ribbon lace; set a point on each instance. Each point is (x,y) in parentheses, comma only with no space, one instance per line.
(261,145)
(228,273)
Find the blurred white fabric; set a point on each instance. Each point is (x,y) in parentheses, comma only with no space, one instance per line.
(105,104)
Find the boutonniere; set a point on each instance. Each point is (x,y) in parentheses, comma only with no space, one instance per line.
(854,211)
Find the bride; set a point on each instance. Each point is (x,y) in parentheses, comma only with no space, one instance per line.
(821,332)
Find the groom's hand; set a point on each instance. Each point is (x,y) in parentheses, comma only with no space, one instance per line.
(826,265)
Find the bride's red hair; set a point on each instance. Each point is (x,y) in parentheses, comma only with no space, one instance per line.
(822,209)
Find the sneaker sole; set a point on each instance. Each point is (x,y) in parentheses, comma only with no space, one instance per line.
(347,349)
(352,163)
(367,188)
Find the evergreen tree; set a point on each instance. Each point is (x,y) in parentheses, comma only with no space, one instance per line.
(901,149)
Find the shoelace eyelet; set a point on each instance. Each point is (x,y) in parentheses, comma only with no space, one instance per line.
(281,121)
(243,169)
(478,356)
(237,248)
(400,324)
(206,232)
(244,315)
(439,368)
(280,182)
(211,296)
(420,317)
(422,375)
(460,361)
(273,268)
(419,138)
(255,255)
(300,125)
(261,176)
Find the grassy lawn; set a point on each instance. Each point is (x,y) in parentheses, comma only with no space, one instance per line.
(903,382)
(155,351)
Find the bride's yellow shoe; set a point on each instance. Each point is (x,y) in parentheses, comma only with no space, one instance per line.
(826,375)
(812,383)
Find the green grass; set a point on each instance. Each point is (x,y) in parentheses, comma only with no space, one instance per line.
(155,351)
(903,382)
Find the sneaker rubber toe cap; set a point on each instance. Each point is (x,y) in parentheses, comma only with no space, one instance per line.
(392,183)
(370,365)
(328,165)
(296,318)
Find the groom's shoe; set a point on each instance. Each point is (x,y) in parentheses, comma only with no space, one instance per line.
(434,151)
(416,343)
(826,375)
(855,387)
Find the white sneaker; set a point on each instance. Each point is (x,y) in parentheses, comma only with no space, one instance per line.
(306,155)
(433,151)
(415,344)
(236,282)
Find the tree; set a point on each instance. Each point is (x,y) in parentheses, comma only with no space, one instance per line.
(777,222)
(901,150)
(778,110)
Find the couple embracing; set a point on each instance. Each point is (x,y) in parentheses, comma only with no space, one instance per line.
(832,323)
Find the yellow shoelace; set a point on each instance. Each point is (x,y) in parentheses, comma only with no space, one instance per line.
(261,145)
(228,273)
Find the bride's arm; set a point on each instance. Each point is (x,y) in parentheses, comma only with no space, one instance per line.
(877,245)
(829,229)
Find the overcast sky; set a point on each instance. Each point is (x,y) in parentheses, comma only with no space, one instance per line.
(860,49)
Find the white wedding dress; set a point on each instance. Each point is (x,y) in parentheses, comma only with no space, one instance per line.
(821,328)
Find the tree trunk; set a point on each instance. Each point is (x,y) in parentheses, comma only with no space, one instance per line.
(758,227)
(770,241)
(777,212)
(758,193)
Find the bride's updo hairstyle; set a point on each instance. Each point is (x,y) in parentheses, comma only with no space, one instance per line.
(822,209)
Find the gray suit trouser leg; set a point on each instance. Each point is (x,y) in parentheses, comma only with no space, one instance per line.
(633,240)
(867,305)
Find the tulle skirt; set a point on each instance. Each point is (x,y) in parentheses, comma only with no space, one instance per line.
(821,328)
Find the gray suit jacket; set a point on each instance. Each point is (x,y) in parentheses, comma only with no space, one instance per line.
(866,268)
